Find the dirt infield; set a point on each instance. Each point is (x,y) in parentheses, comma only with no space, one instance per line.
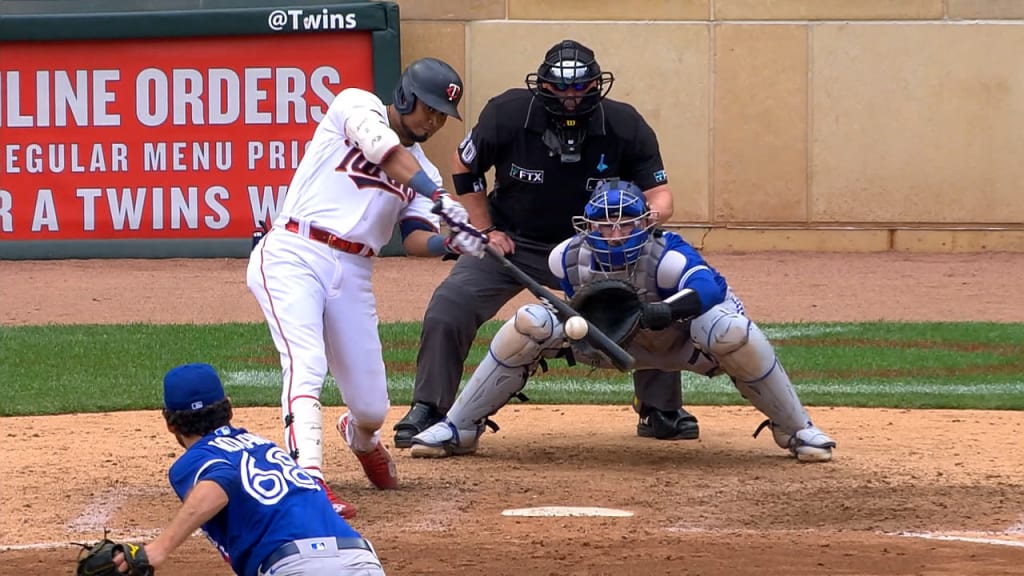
(910,492)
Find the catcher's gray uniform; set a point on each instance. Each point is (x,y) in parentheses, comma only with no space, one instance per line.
(720,338)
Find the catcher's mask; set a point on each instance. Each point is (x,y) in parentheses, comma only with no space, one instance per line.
(616,223)
(570,85)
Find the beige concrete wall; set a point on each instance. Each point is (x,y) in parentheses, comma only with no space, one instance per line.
(674,98)
(929,134)
(786,124)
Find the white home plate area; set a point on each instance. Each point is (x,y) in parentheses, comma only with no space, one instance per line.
(553,511)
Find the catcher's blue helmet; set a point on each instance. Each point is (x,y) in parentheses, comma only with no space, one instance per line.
(616,223)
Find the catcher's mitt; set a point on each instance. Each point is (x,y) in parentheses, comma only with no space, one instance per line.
(612,306)
(98,559)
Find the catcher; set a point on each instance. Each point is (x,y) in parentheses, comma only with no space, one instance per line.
(264,513)
(655,295)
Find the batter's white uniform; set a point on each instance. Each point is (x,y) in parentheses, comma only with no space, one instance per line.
(318,300)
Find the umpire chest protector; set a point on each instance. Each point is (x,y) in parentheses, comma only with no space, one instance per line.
(536,194)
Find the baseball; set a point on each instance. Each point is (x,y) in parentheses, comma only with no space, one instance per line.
(576,328)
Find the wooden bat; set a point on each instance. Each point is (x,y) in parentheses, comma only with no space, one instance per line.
(619,358)
(595,337)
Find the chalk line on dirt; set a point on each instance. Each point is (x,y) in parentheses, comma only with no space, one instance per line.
(980,538)
(1009,537)
(98,511)
(141,536)
(1012,536)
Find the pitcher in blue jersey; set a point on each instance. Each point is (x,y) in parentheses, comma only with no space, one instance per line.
(265,514)
(707,331)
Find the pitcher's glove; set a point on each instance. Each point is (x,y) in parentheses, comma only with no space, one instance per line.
(98,559)
(612,306)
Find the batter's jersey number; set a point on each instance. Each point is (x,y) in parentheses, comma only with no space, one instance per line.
(268,479)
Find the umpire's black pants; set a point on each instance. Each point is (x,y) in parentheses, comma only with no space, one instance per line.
(472,294)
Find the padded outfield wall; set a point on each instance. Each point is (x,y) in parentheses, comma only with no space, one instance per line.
(169,128)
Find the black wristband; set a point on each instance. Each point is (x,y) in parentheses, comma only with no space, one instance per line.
(467,183)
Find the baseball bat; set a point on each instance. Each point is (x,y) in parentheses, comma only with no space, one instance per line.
(619,358)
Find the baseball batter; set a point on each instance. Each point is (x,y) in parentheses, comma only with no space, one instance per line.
(702,327)
(363,172)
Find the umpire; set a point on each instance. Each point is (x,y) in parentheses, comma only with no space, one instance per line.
(550,145)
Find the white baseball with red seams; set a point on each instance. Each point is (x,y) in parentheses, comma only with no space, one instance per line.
(576,328)
(318,300)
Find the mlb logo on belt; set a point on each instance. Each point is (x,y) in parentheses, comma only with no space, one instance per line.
(319,546)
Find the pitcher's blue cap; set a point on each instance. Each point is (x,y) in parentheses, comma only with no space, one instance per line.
(192,387)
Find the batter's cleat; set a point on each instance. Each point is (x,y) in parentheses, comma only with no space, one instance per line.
(809,444)
(344,509)
(443,440)
(420,417)
(668,425)
(377,463)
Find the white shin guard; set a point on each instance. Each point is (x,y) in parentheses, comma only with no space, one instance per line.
(745,354)
(304,433)
(514,354)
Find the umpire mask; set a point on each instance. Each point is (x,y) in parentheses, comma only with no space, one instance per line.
(570,85)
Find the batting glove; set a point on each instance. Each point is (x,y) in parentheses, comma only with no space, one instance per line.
(451,211)
(466,242)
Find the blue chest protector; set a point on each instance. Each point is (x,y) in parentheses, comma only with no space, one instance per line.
(666,265)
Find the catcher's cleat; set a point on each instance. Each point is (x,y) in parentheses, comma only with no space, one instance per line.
(668,425)
(343,508)
(420,417)
(377,463)
(809,444)
(444,439)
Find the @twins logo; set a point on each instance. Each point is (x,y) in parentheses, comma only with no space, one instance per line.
(297,19)
(453,92)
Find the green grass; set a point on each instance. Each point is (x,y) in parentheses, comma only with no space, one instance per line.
(59,369)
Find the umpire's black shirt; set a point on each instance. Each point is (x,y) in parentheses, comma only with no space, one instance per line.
(536,194)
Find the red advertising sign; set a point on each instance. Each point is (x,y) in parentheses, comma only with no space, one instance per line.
(162,138)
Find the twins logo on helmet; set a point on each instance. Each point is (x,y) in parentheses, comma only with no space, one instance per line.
(453,92)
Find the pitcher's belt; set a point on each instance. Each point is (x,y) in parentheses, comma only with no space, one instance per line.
(331,240)
(291,549)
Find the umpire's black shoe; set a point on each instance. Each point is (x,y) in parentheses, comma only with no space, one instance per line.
(668,425)
(420,417)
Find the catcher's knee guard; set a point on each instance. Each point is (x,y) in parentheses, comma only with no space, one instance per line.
(513,355)
(523,339)
(736,342)
(745,354)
